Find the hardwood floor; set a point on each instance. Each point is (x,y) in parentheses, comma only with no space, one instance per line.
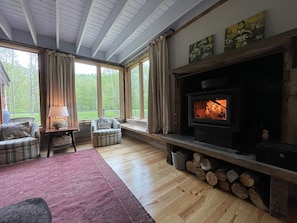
(170,195)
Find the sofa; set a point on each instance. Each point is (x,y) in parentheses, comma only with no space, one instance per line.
(18,142)
(105,131)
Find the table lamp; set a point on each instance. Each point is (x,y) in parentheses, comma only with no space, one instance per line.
(58,113)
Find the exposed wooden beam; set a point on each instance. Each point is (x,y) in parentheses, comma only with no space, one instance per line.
(29,19)
(83,24)
(107,25)
(139,18)
(58,24)
(199,16)
(164,21)
(4,25)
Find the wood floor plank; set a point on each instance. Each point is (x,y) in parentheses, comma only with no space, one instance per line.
(174,196)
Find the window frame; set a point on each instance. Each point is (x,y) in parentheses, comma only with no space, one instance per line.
(99,86)
(26,49)
(129,117)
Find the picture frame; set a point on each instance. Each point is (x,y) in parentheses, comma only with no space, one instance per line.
(201,49)
(246,31)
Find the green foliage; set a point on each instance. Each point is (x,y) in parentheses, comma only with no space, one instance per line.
(87,115)
(86,92)
(22,93)
(23,97)
(110,83)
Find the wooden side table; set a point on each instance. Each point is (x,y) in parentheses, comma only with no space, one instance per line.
(59,132)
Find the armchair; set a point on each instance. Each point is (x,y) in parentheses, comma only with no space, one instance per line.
(105,132)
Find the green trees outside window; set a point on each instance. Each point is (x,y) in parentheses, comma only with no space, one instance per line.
(20,97)
(86,91)
(139,77)
(97,91)
(135,93)
(110,84)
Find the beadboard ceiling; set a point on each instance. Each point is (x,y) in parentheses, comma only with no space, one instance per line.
(108,30)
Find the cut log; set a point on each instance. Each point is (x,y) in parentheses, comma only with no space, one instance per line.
(224,185)
(259,196)
(200,174)
(221,173)
(249,178)
(211,178)
(196,163)
(233,174)
(210,163)
(198,157)
(239,190)
(190,167)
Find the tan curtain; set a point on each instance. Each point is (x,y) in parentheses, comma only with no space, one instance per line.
(60,85)
(158,102)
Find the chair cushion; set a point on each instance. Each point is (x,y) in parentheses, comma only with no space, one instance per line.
(106,131)
(20,142)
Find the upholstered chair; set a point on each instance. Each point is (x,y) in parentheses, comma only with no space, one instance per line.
(105,131)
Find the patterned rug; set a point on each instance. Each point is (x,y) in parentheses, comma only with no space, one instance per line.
(78,187)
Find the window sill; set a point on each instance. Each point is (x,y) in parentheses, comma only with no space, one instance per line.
(139,129)
(134,127)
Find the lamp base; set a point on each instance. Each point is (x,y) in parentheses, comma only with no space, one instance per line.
(59,124)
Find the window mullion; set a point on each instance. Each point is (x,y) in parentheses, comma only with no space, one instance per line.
(99,92)
(141,92)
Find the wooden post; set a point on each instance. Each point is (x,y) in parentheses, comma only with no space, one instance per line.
(278,198)
(169,149)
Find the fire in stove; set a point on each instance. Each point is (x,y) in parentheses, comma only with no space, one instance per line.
(211,109)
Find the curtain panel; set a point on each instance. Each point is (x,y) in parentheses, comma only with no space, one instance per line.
(158,99)
(60,85)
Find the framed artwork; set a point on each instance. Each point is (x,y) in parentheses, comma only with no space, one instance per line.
(245,32)
(201,49)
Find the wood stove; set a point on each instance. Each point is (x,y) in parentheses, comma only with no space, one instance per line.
(215,116)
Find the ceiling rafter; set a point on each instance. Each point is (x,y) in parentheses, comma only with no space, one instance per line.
(29,19)
(116,12)
(4,25)
(140,17)
(83,24)
(58,24)
(164,21)
(106,30)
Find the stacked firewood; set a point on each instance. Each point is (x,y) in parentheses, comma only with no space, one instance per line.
(243,183)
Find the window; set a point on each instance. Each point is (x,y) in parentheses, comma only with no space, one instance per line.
(86,91)
(110,84)
(20,94)
(98,88)
(139,77)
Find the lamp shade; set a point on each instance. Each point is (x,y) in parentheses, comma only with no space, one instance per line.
(56,111)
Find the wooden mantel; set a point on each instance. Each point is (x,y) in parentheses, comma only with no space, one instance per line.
(265,47)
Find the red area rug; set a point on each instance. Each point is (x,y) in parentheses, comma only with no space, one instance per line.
(78,187)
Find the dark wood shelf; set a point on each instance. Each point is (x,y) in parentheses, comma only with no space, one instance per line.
(265,47)
(228,155)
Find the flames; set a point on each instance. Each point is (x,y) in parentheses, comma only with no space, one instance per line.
(211,109)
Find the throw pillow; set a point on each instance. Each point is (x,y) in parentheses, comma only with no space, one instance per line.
(104,125)
(15,130)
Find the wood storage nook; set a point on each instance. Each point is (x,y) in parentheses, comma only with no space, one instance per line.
(276,57)
(241,182)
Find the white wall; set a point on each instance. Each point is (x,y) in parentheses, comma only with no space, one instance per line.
(281,16)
